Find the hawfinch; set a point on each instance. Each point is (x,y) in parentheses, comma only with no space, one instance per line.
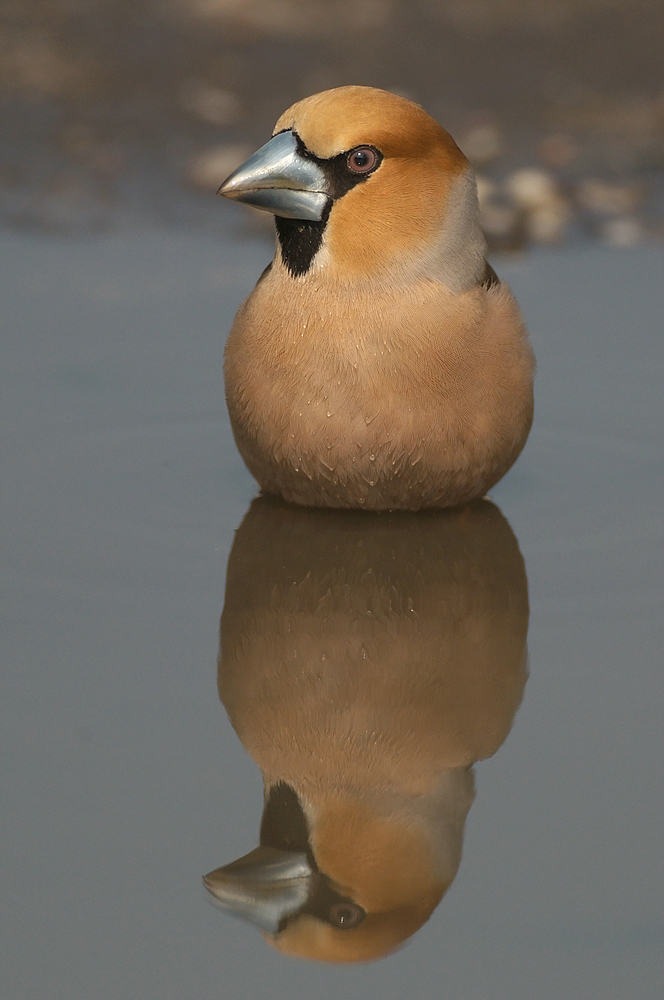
(365,663)
(379,363)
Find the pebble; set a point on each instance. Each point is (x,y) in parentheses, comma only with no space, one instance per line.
(546,211)
(623,232)
(547,224)
(532,188)
(606,198)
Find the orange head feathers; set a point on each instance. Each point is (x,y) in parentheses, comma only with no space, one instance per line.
(381,178)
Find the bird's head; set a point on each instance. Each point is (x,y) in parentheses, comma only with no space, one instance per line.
(347,883)
(365,183)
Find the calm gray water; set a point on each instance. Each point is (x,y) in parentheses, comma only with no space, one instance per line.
(125,780)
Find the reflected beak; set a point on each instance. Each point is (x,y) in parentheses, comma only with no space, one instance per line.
(278,179)
(263,887)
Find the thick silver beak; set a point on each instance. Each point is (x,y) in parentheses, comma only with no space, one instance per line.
(277,179)
(263,887)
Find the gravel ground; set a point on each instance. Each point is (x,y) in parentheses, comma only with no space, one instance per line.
(140,107)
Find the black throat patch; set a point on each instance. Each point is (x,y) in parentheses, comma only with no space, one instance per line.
(284,824)
(299,239)
(284,827)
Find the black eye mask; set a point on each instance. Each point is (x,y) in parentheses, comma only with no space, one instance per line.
(299,239)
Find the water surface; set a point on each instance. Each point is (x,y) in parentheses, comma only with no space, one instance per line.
(122,492)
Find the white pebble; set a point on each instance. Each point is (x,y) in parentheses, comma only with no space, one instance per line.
(623,232)
(531,188)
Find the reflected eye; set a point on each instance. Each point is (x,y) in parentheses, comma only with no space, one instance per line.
(362,160)
(346,915)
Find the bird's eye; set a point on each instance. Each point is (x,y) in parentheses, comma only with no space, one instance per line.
(362,160)
(346,915)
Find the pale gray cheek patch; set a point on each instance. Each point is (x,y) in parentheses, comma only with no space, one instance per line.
(458,258)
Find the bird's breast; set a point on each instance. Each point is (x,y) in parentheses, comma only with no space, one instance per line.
(348,388)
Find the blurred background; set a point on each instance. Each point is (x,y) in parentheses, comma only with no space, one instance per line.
(142,107)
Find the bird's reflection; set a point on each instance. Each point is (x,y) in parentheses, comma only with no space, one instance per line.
(366,661)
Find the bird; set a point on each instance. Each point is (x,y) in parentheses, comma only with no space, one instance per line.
(367,660)
(379,363)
